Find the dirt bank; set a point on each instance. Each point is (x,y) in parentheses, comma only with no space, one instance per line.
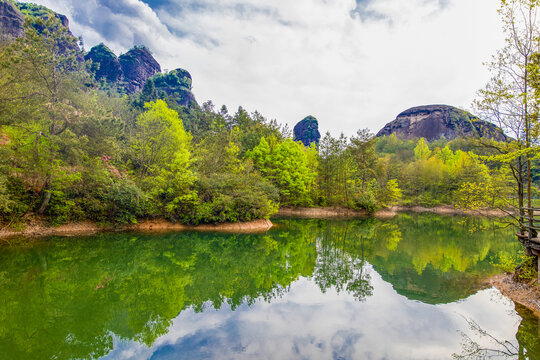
(339,212)
(256,226)
(37,228)
(527,295)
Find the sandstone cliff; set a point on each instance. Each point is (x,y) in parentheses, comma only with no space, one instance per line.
(138,66)
(434,121)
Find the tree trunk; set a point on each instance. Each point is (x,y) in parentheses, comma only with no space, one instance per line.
(45,202)
(520,195)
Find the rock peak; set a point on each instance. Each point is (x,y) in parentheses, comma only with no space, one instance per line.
(307,131)
(138,65)
(435,121)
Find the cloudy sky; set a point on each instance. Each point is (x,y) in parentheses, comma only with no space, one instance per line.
(351,63)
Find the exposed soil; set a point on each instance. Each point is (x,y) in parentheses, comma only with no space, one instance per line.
(38,228)
(320,212)
(256,226)
(527,295)
(339,212)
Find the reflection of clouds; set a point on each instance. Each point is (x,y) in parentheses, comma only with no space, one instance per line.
(307,324)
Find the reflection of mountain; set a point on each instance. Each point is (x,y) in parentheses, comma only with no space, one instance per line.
(432,286)
(439,260)
(65,298)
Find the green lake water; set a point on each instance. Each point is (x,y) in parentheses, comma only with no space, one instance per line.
(405,288)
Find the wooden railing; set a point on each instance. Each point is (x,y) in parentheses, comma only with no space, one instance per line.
(530,228)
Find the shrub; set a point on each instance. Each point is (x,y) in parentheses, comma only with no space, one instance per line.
(126,202)
(235,197)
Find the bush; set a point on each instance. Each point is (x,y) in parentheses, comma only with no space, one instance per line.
(96,194)
(126,202)
(522,266)
(234,198)
(367,200)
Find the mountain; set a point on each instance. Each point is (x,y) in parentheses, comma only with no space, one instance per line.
(307,131)
(137,69)
(11,21)
(138,66)
(129,71)
(434,121)
(105,64)
(176,84)
(13,13)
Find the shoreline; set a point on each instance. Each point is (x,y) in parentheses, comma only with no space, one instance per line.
(524,294)
(341,212)
(527,295)
(39,229)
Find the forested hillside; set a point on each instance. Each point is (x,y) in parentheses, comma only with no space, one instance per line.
(76,148)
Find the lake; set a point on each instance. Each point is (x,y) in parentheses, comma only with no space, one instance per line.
(412,287)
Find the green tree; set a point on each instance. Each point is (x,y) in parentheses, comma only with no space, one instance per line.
(509,98)
(41,83)
(162,160)
(289,165)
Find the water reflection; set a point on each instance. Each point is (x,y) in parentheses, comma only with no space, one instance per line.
(309,288)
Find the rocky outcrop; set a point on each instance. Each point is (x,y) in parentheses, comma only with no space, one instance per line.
(11,21)
(138,66)
(176,84)
(435,121)
(129,72)
(105,64)
(12,18)
(307,131)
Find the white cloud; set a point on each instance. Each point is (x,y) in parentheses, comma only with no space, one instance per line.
(289,59)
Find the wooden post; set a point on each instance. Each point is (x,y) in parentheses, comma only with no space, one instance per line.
(537,253)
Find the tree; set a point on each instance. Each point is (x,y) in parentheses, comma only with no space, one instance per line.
(289,165)
(509,98)
(362,149)
(162,160)
(40,84)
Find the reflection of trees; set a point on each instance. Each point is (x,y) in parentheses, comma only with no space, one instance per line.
(341,261)
(438,259)
(526,347)
(528,334)
(64,298)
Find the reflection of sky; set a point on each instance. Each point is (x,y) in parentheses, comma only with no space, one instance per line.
(307,324)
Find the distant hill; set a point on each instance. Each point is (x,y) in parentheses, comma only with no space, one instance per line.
(434,121)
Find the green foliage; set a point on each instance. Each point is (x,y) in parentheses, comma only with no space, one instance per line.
(522,266)
(289,165)
(175,79)
(233,197)
(126,202)
(421,151)
(7,204)
(162,159)
(33,10)
(390,194)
